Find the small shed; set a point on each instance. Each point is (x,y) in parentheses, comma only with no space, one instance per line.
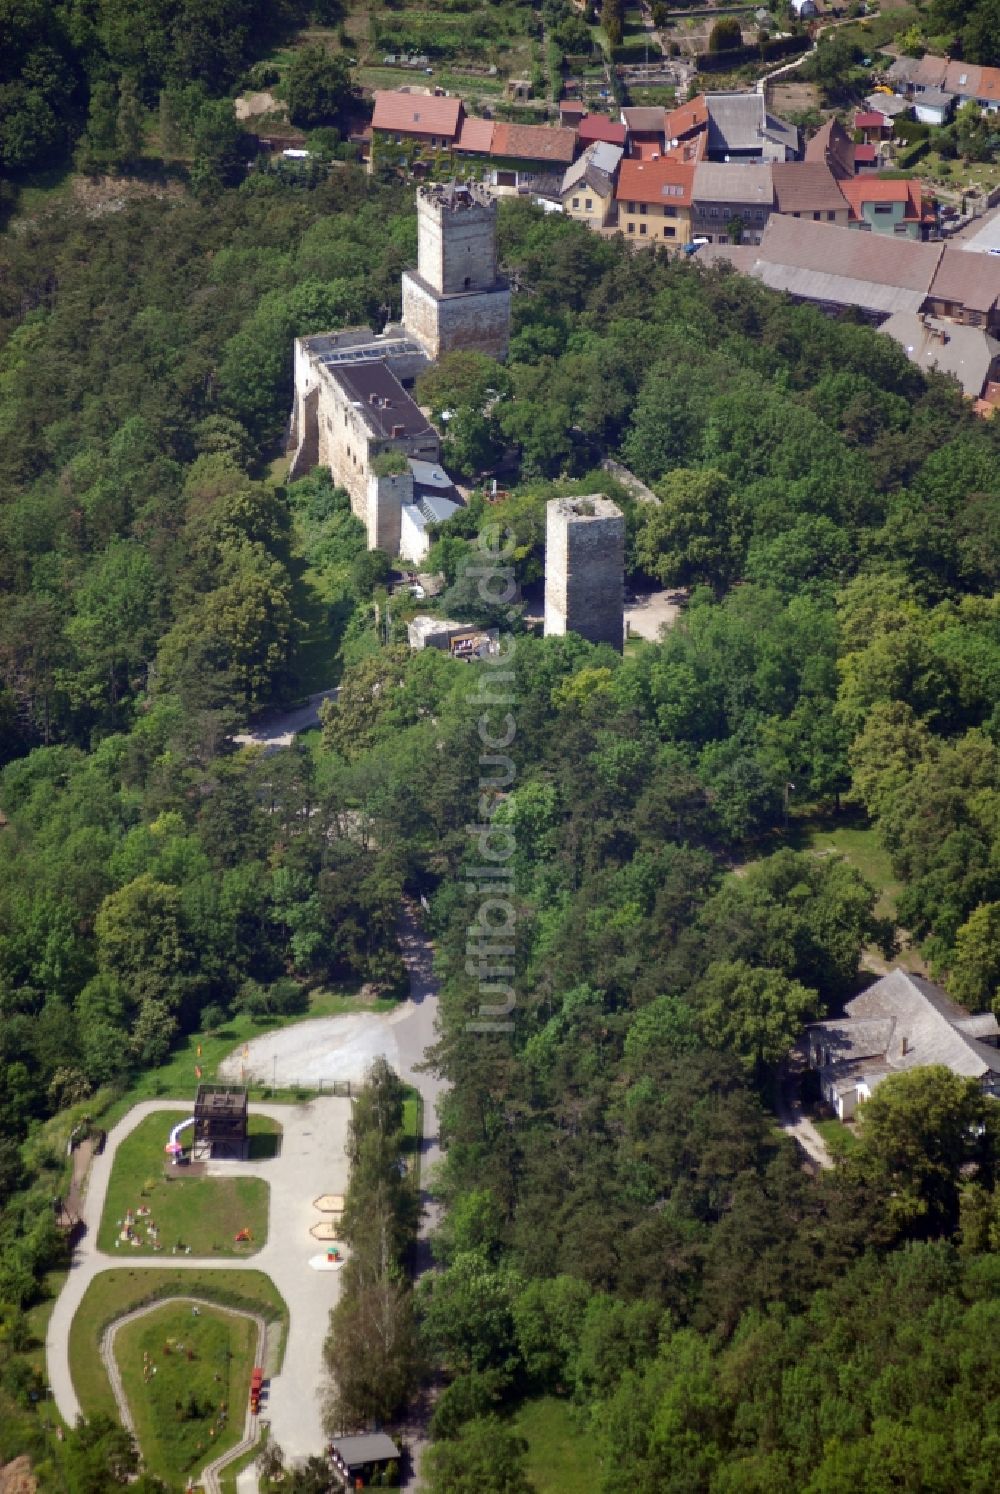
(933,106)
(357,1459)
(220,1123)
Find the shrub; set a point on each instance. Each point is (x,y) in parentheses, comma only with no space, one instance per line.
(389,464)
(725,35)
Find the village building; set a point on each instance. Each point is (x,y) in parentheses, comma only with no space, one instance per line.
(900,1023)
(521,154)
(686,122)
(588,188)
(741,128)
(644,126)
(654,200)
(879,205)
(873,124)
(731,203)
(933,106)
(938,78)
(598,127)
(939,346)
(833,147)
(474,138)
(966,289)
(940,300)
(408,125)
(809,189)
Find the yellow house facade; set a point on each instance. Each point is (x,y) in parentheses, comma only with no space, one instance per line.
(654,201)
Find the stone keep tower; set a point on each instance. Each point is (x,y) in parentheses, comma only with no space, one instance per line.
(585,569)
(454,298)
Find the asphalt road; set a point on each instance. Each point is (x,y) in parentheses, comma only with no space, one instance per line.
(278,730)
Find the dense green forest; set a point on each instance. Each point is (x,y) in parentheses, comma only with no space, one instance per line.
(625,1228)
(75,67)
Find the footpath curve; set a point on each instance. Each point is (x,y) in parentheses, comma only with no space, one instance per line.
(312,1162)
(209,1475)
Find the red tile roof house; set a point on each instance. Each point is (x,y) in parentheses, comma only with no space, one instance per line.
(891,207)
(873,126)
(521,154)
(687,120)
(833,146)
(654,201)
(644,124)
(593,128)
(404,123)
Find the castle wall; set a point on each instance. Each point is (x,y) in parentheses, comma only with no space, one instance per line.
(386,496)
(479,321)
(585,569)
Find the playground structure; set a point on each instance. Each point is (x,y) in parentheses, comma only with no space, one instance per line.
(220,1123)
(175,1148)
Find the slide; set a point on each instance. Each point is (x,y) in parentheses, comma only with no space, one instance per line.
(173,1145)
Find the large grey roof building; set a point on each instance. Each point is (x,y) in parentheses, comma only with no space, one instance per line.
(902,1022)
(740,128)
(966,353)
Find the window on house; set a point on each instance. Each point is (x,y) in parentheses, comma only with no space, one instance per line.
(642,228)
(816,217)
(630,227)
(882,209)
(643,209)
(590,204)
(831,217)
(670,212)
(670,233)
(576,202)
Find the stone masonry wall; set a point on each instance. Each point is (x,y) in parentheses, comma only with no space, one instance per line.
(585,569)
(456,236)
(386,496)
(477,321)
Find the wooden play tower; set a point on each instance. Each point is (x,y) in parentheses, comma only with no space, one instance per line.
(220,1123)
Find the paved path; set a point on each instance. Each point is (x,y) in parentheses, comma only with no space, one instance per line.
(274,731)
(796,1124)
(209,1476)
(312,1161)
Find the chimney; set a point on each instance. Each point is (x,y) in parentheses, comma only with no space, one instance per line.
(397,431)
(373,398)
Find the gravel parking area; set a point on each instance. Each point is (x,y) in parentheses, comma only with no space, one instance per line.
(315,1053)
(650,611)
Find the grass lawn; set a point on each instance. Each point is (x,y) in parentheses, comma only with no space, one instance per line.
(187,1378)
(838,1137)
(199,1213)
(859,845)
(113,1293)
(560,1456)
